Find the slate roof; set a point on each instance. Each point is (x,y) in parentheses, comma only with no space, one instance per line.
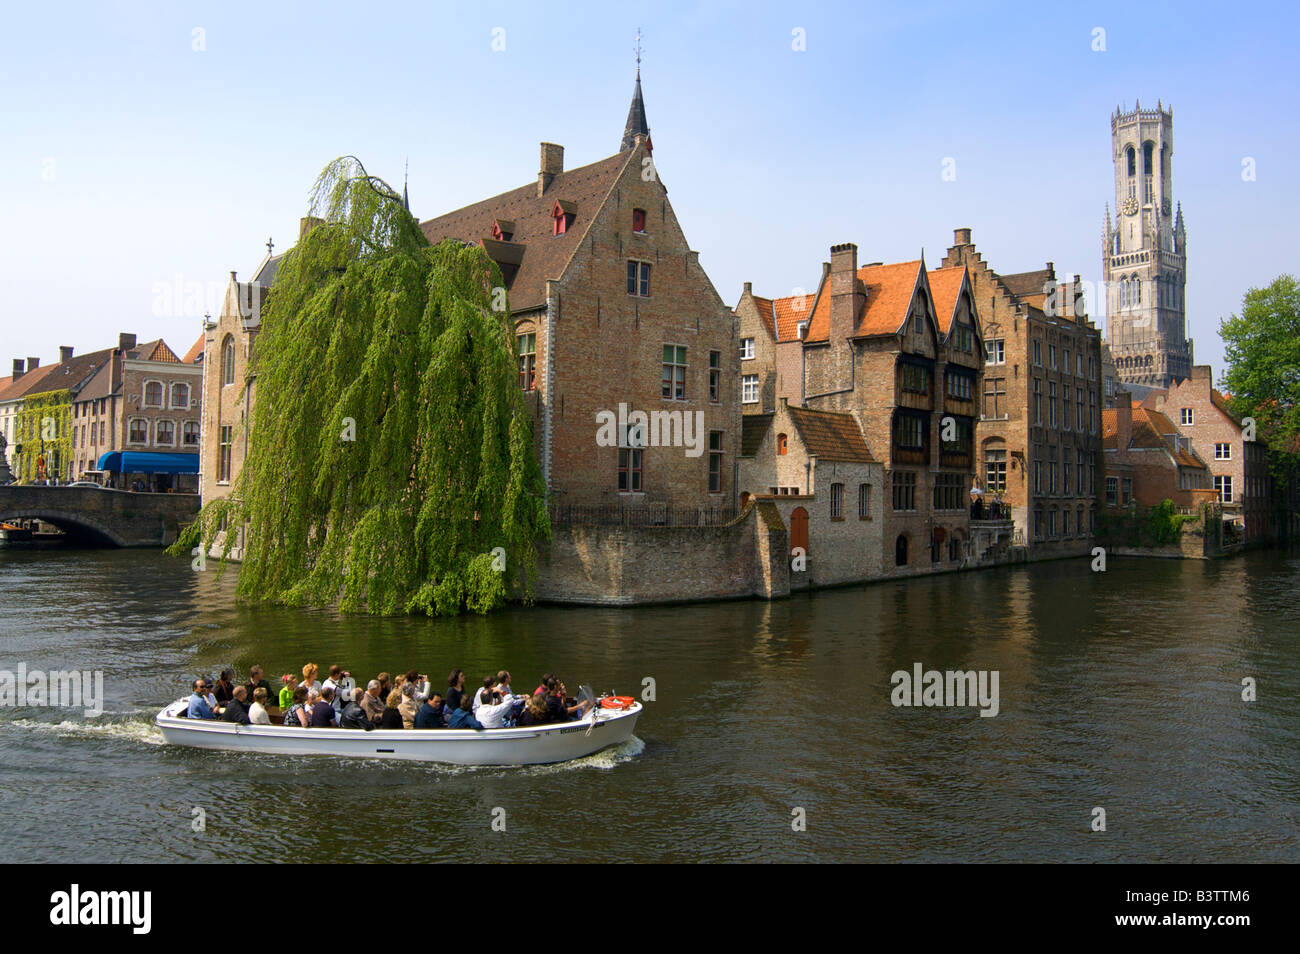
(636,121)
(267,271)
(830,435)
(1026,284)
(544,256)
(75,371)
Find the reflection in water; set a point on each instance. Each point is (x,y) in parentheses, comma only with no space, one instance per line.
(1118,689)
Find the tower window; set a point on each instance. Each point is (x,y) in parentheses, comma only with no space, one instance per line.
(1131,153)
(1147,150)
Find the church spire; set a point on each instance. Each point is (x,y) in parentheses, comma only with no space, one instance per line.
(636,121)
(406,175)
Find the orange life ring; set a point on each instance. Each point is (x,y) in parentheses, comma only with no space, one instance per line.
(617,702)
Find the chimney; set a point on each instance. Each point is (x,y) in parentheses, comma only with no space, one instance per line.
(749,288)
(18,368)
(552,166)
(125,342)
(961,237)
(846,298)
(1123,419)
(1051,270)
(65,353)
(33,363)
(1201,374)
(305,225)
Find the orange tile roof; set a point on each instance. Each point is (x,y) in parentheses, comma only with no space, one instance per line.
(195,352)
(945,286)
(789,312)
(889,295)
(764,306)
(26,383)
(1222,404)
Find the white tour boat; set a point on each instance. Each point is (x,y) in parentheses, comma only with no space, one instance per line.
(600,728)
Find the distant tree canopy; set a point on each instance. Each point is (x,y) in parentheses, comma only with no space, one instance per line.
(390,449)
(1262,348)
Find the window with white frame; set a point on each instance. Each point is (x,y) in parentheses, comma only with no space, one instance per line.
(1223,486)
(995,351)
(164,433)
(749,389)
(1223,452)
(138,431)
(746,349)
(153,394)
(190,433)
(1186,417)
(180,396)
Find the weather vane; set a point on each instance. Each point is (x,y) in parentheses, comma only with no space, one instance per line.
(637,48)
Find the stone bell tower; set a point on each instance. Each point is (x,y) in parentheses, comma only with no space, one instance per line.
(1144,253)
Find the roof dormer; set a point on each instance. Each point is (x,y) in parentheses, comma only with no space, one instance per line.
(503,230)
(562,215)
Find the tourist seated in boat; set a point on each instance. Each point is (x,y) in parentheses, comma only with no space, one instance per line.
(563,708)
(489,683)
(408,706)
(507,693)
(255,682)
(430,715)
(385,685)
(224,690)
(463,718)
(235,710)
(541,686)
(535,712)
(257,714)
(373,702)
(353,715)
(321,705)
(494,709)
(309,673)
(200,706)
(340,680)
(421,684)
(289,684)
(392,717)
(297,713)
(455,690)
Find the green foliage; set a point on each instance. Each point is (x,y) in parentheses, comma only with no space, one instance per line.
(1165,524)
(30,430)
(369,333)
(1262,348)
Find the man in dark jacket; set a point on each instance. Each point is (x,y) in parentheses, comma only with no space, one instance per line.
(429,715)
(353,715)
(236,709)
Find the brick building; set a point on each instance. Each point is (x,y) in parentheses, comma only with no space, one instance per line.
(904,356)
(816,469)
(1039,429)
(1238,468)
(1149,461)
(613,315)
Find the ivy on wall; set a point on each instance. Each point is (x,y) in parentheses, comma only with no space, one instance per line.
(43,435)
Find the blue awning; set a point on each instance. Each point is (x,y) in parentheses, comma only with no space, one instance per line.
(140,462)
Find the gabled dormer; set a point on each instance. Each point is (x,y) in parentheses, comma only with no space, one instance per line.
(563,212)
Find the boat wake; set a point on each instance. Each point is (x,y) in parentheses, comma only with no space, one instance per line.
(604,759)
(134,727)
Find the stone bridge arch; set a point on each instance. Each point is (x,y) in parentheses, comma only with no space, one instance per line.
(117,518)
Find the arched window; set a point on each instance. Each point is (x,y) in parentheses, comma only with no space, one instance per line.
(1147,149)
(900,550)
(1132,161)
(782,445)
(228,360)
(153,394)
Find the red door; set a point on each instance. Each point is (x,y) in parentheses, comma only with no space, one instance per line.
(799,530)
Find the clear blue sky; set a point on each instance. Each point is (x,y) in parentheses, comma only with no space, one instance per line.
(130,160)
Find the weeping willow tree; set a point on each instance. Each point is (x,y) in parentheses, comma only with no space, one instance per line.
(391,464)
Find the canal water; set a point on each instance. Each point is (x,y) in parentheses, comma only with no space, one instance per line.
(1119,690)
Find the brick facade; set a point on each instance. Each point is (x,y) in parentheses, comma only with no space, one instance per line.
(1039,429)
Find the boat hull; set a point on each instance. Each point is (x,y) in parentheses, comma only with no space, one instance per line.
(539,745)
